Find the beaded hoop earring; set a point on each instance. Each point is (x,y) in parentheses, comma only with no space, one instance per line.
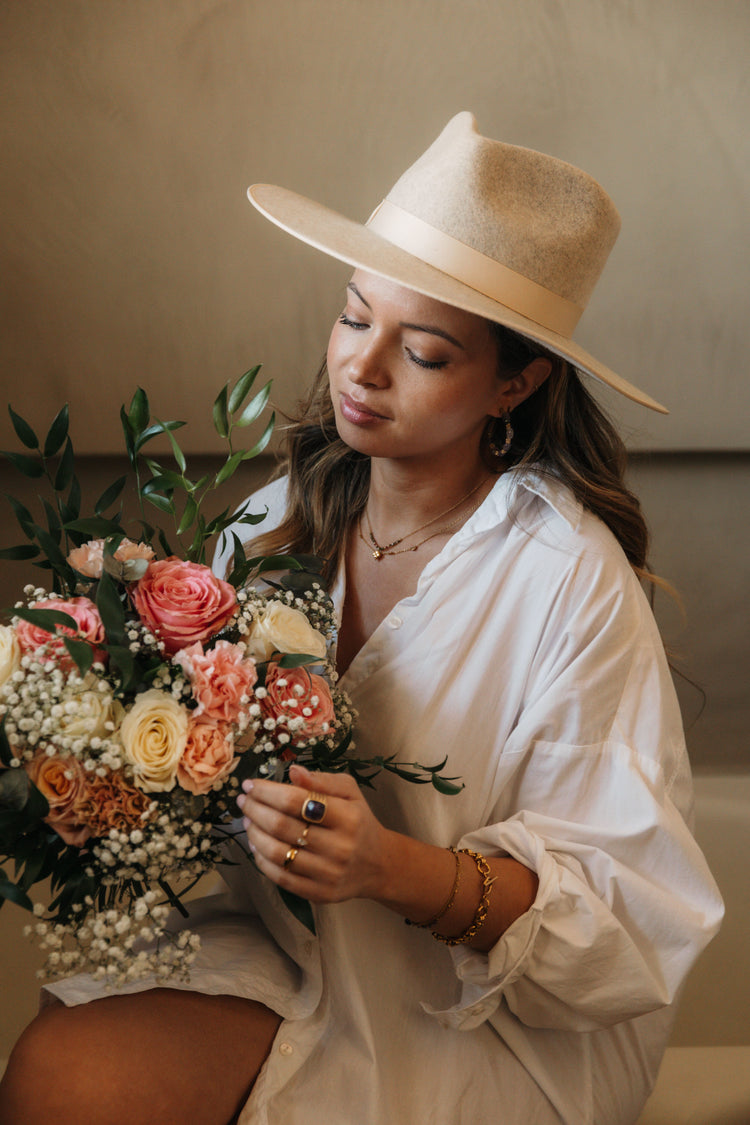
(494,450)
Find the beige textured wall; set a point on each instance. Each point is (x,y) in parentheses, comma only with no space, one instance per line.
(130,128)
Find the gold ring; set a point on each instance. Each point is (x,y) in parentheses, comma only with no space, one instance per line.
(302,840)
(313,808)
(290,857)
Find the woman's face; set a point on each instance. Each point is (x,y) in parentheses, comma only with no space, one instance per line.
(410,377)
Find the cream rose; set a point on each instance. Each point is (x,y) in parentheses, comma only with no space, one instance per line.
(279,628)
(86,711)
(10,653)
(154,734)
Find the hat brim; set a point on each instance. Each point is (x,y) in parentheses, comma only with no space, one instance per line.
(362,248)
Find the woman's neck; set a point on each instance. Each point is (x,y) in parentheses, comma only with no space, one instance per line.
(403,497)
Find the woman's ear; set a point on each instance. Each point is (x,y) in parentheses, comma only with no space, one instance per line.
(520,386)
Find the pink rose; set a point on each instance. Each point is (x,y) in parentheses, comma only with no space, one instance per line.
(220,678)
(300,698)
(86,616)
(88,559)
(208,756)
(183,602)
(63,782)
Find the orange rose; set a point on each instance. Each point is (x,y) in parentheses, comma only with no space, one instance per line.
(63,781)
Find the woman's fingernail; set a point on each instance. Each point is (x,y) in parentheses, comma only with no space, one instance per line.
(241,800)
(247,785)
(246,822)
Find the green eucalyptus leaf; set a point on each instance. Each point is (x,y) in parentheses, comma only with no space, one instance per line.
(23,430)
(9,891)
(163,503)
(58,432)
(164,544)
(29,466)
(64,473)
(47,619)
(110,495)
(23,551)
(221,419)
(153,431)
(230,466)
(14,789)
(188,516)
(255,407)
(37,805)
(111,609)
(297,660)
(72,507)
(35,864)
(241,388)
(449,788)
(166,481)
(179,456)
(23,515)
(262,441)
(128,434)
(81,652)
(138,412)
(98,527)
(53,522)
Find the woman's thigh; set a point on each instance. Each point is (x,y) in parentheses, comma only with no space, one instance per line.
(165,1055)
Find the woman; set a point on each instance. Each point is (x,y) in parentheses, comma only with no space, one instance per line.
(485,557)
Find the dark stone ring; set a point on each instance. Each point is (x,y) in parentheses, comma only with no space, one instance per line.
(313,808)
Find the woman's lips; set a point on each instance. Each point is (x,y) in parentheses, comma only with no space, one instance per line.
(358,413)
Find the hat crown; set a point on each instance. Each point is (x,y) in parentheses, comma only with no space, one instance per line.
(538,216)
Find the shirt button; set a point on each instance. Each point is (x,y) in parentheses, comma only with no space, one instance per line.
(308,947)
(395,621)
(286,1048)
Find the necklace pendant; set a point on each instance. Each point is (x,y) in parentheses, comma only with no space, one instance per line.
(377,554)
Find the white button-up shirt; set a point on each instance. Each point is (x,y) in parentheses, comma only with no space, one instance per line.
(529,656)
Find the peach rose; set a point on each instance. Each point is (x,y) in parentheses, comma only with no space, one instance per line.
(153,736)
(84,613)
(88,559)
(183,602)
(301,697)
(110,802)
(279,628)
(208,757)
(220,678)
(63,782)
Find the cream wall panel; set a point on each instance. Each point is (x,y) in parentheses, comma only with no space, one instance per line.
(130,129)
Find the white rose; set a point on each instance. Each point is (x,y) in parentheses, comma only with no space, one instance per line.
(154,735)
(279,628)
(10,653)
(93,709)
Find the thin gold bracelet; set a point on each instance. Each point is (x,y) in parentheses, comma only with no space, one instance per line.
(480,916)
(449,903)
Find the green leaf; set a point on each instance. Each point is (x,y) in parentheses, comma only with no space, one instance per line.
(188,515)
(444,786)
(9,891)
(6,750)
(14,789)
(111,609)
(29,466)
(128,434)
(255,407)
(65,469)
(163,503)
(230,466)
(166,481)
(98,527)
(47,619)
(23,430)
(164,544)
(297,660)
(262,441)
(57,434)
(108,497)
(82,653)
(53,522)
(221,420)
(37,805)
(72,507)
(23,515)
(152,431)
(24,551)
(138,413)
(241,388)
(122,664)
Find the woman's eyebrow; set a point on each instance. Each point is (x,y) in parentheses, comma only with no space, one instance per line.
(431,329)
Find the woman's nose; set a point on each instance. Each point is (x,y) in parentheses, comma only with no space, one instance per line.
(367,366)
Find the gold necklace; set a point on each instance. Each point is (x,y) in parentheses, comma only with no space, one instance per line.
(378,551)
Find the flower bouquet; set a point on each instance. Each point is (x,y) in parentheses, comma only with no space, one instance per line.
(140,690)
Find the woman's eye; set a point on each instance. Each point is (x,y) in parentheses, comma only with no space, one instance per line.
(347,320)
(430,364)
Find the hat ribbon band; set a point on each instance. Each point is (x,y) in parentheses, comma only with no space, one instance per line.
(474,269)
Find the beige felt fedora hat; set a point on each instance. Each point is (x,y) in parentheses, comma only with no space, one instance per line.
(505,232)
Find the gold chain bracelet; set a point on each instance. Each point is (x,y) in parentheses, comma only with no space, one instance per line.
(480,916)
(449,903)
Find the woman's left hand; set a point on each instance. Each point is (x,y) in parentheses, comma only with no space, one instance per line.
(338,857)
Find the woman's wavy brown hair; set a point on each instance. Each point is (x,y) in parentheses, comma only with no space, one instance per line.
(559,429)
